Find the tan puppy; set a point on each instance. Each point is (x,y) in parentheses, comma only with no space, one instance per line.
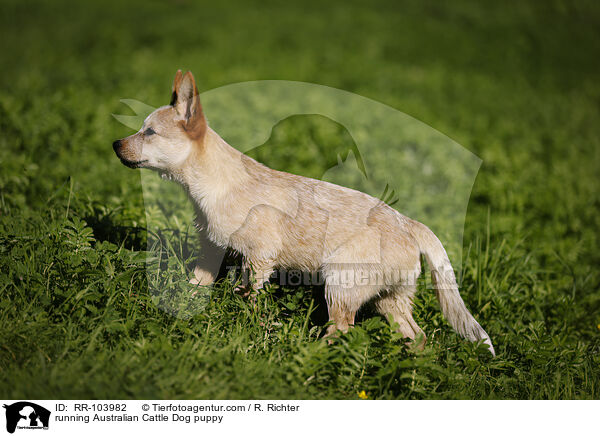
(364,249)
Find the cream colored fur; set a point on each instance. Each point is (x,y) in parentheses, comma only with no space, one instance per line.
(365,249)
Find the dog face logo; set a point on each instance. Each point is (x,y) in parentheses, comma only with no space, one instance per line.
(26,415)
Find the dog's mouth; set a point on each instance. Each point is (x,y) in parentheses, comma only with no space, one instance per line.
(132,163)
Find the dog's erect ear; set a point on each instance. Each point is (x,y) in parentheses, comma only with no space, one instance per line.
(186,101)
(176,83)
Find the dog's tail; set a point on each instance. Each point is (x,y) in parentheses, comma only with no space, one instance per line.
(446,289)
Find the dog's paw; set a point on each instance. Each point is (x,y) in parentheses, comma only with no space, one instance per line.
(248,293)
(194,291)
(243,291)
(202,277)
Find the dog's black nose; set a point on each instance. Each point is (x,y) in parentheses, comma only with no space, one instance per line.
(116,145)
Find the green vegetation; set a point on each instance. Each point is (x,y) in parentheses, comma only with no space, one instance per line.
(518,86)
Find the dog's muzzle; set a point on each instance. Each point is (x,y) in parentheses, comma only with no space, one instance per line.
(117,145)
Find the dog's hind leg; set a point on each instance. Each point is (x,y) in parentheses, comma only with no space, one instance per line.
(397,303)
(349,278)
(342,319)
(345,295)
(341,313)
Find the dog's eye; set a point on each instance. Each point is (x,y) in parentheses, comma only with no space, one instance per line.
(149,131)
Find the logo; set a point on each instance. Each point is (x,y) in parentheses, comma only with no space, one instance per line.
(364,145)
(26,415)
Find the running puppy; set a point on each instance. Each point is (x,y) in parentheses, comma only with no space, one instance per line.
(365,249)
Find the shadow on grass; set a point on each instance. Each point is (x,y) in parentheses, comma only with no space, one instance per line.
(105,229)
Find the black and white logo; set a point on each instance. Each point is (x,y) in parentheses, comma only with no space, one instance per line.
(26,415)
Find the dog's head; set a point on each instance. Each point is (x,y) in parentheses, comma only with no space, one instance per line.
(170,134)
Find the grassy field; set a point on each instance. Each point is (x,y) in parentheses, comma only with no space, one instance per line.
(518,86)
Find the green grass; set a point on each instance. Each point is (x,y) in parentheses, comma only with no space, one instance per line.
(518,86)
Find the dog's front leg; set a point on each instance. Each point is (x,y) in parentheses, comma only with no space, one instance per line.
(208,265)
(254,275)
(261,276)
